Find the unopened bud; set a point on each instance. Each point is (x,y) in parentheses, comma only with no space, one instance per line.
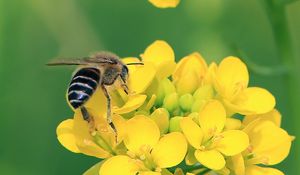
(186,102)
(198,105)
(175,124)
(165,88)
(161,118)
(205,92)
(171,102)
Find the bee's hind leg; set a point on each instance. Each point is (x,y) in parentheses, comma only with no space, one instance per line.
(109,118)
(87,117)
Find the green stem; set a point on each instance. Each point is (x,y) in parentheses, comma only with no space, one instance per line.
(276,11)
(186,169)
(204,172)
(191,168)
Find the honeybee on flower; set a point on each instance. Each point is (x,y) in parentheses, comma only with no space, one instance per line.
(181,119)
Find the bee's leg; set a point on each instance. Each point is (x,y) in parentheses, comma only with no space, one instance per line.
(125,88)
(124,85)
(109,118)
(87,117)
(85,114)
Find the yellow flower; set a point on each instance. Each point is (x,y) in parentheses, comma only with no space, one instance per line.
(273,116)
(78,136)
(269,145)
(231,82)
(165,3)
(180,111)
(208,138)
(75,134)
(148,153)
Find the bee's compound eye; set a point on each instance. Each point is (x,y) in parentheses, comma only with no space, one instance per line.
(124,71)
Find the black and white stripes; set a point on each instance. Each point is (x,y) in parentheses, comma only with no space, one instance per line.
(82,86)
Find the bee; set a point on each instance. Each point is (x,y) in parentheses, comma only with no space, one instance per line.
(99,70)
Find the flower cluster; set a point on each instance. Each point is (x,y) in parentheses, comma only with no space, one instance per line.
(181,118)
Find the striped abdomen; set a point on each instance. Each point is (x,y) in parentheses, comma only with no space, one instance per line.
(82,86)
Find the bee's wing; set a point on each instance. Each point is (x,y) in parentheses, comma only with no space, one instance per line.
(78,61)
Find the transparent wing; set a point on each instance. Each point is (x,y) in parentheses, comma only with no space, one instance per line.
(78,61)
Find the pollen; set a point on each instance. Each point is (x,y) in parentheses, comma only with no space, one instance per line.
(143,157)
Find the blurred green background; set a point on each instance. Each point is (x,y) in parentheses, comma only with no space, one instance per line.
(32,101)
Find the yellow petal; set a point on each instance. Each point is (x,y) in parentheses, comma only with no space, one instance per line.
(165,69)
(97,103)
(256,170)
(162,56)
(161,118)
(231,76)
(141,132)
(149,173)
(66,136)
(120,124)
(140,77)
(236,164)
(84,140)
(165,3)
(119,165)
(254,100)
(212,118)
(211,159)
(273,116)
(232,142)
(269,143)
(192,132)
(232,123)
(170,150)
(132,104)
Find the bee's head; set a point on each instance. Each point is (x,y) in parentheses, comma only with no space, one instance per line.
(124,74)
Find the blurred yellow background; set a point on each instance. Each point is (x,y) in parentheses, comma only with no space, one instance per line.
(34,31)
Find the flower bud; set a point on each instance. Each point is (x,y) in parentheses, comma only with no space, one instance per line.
(198,105)
(186,102)
(161,117)
(171,102)
(205,92)
(189,73)
(165,88)
(175,124)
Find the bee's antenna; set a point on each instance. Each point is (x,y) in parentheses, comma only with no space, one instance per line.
(134,64)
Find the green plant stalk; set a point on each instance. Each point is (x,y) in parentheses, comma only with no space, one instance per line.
(278,18)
